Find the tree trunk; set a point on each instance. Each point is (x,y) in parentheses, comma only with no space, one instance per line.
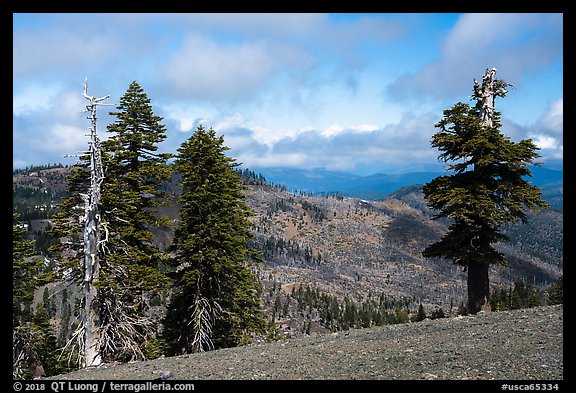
(91,310)
(478,288)
(92,225)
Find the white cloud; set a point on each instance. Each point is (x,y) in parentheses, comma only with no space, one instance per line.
(305,28)
(336,129)
(365,127)
(547,134)
(207,69)
(188,115)
(516,44)
(289,53)
(269,136)
(283,89)
(64,137)
(332,130)
(337,147)
(553,119)
(544,141)
(56,126)
(286,160)
(231,121)
(186,124)
(70,104)
(59,48)
(34,98)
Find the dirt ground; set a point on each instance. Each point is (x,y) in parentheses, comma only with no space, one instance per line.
(522,344)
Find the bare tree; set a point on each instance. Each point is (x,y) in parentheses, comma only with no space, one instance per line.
(486,92)
(93,241)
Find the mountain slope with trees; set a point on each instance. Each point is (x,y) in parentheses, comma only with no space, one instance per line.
(347,248)
(163,259)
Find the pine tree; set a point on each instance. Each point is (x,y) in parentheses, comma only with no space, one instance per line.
(131,193)
(438,313)
(31,335)
(519,294)
(215,303)
(46,341)
(462,309)
(66,229)
(488,187)
(496,302)
(421,315)
(556,292)
(26,273)
(535,299)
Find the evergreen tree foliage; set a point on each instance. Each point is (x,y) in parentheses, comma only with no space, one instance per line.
(462,310)
(34,345)
(46,341)
(438,313)
(132,188)
(336,315)
(131,264)
(556,292)
(67,249)
(67,224)
(215,303)
(421,314)
(48,303)
(520,295)
(487,188)
(27,273)
(37,348)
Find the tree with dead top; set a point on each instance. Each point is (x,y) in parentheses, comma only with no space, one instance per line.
(83,237)
(117,185)
(487,187)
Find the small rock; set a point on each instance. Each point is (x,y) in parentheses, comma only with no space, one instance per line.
(165,375)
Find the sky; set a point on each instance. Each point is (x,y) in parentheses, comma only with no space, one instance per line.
(359,93)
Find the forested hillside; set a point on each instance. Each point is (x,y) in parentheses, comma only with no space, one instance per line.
(333,263)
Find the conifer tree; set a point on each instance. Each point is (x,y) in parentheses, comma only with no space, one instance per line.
(130,263)
(488,187)
(421,315)
(215,303)
(26,273)
(66,223)
(556,292)
(438,313)
(131,266)
(31,335)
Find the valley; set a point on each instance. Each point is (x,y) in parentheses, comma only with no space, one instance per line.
(358,252)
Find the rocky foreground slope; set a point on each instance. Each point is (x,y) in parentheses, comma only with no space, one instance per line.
(524,344)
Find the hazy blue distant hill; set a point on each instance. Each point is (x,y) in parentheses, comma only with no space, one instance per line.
(554,195)
(314,181)
(544,176)
(380,185)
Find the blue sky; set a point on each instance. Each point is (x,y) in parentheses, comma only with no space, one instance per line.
(351,92)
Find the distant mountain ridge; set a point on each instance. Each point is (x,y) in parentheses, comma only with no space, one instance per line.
(379,185)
